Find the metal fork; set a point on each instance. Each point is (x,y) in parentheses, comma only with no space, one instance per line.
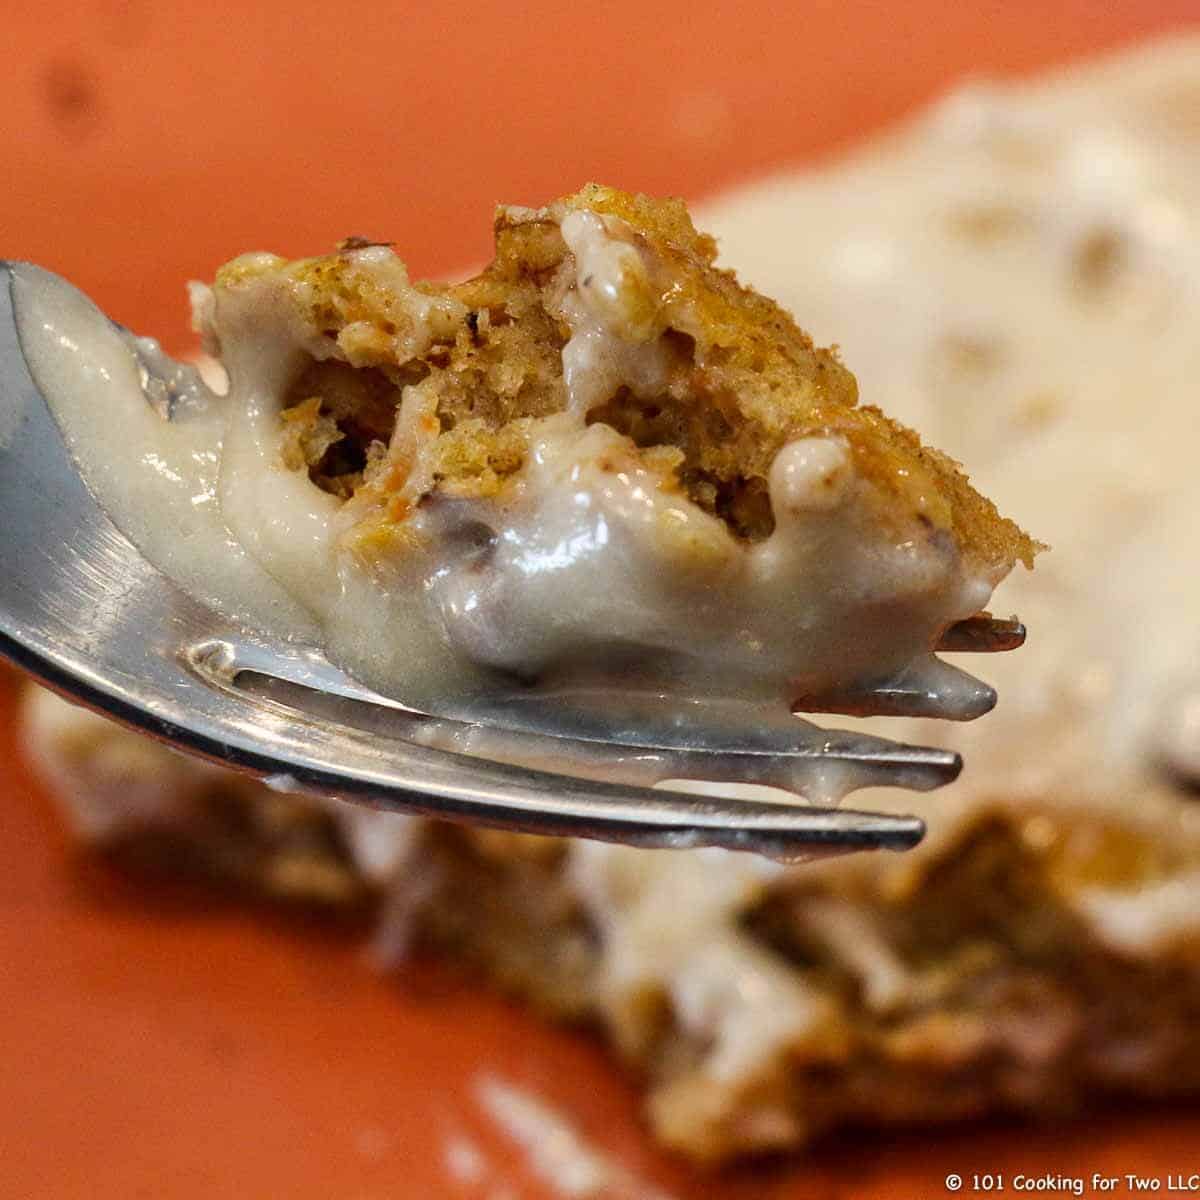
(85,613)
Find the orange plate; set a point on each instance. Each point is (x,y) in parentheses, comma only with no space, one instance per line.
(184,1049)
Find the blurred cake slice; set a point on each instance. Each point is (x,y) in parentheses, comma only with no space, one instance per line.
(1032,957)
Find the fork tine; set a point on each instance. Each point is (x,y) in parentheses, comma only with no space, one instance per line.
(941,690)
(309,758)
(824,832)
(972,698)
(647,750)
(983,634)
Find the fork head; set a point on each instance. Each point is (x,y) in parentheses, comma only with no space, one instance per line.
(88,615)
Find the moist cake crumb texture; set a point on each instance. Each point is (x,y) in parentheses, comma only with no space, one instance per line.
(538,479)
(725,376)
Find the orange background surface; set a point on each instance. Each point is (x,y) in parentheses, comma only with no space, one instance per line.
(175,1046)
